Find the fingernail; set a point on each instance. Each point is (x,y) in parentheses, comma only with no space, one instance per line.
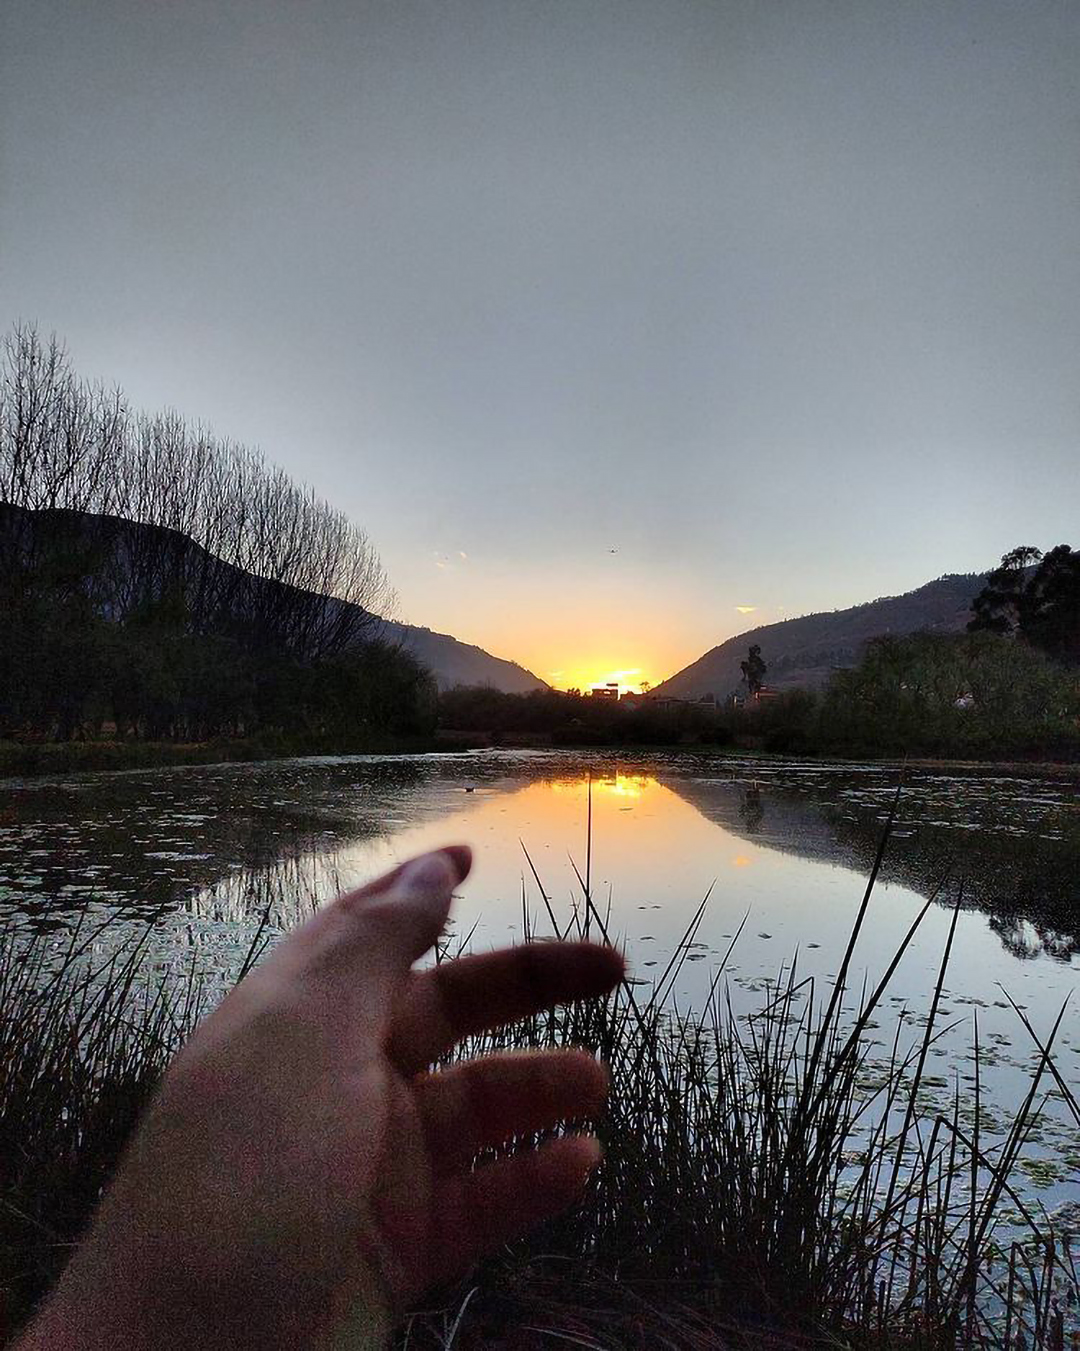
(429,872)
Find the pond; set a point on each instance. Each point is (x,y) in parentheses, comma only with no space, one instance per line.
(202,855)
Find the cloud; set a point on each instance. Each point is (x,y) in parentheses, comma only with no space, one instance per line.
(746,609)
(447,562)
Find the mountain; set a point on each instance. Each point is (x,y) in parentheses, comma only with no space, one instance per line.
(804,651)
(132,553)
(452,662)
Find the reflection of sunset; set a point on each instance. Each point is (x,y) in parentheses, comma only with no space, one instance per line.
(626,785)
(654,855)
(551,817)
(618,785)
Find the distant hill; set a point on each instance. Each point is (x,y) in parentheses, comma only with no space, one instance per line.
(803,652)
(451,662)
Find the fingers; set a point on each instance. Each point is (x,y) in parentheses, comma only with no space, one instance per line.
(483,1103)
(472,994)
(398,917)
(353,956)
(478,1212)
(405,911)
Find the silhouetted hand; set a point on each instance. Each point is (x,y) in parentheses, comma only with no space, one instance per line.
(300,1175)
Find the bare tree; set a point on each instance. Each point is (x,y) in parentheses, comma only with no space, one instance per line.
(149,519)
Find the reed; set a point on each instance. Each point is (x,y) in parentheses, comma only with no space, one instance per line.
(766,1181)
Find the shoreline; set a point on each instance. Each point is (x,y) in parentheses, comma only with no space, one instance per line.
(28,760)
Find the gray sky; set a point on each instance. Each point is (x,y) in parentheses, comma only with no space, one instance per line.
(781,301)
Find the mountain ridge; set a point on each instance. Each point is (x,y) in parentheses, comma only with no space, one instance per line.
(454,662)
(804,651)
(450,661)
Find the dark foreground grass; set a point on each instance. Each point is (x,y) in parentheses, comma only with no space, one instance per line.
(761,1186)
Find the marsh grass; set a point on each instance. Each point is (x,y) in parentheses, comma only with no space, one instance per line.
(766,1183)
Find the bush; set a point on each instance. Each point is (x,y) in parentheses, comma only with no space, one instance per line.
(974,693)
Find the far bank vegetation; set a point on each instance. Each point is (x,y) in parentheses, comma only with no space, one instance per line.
(1010,685)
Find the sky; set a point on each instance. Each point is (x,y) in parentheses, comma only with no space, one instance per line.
(620,327)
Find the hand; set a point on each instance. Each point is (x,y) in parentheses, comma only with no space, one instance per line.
(300,1175)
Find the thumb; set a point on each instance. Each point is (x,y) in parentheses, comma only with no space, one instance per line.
(350,958)
(404,912)
(365,942)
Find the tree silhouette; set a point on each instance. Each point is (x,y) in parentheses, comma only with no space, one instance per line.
(997,607)
(753,670)
(1035,597)
(1050,611)
(174,585)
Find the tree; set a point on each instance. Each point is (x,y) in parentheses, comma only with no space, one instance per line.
(753,670)
(997,607)
(1050,613)
(150,569)
(1037,598)
(942,691)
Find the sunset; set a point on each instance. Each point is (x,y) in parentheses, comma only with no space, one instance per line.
(626,681)
(539,675)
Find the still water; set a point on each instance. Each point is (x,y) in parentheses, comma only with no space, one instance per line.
(203,854)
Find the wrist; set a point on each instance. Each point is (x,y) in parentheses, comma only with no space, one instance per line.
(82,1319)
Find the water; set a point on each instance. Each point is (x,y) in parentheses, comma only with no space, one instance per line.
(201,854)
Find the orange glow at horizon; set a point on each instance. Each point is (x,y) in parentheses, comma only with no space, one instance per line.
(573,630)
(629,680)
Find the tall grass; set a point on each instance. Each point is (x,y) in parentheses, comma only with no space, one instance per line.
(766,1181)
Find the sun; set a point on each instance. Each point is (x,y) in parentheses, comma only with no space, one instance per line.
(630,680)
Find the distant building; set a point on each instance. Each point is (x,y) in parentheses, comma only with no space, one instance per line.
(608,691)
(740,699)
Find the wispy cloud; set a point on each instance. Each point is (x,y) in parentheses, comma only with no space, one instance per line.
(448,562)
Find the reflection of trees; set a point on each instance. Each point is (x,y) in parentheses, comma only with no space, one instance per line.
(223,846)
(285,892)
(146,841)
(1026,939)
(752,809)
(1027,885)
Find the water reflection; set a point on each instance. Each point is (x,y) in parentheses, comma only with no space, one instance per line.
(211,840)
(752,809)
(206,856)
